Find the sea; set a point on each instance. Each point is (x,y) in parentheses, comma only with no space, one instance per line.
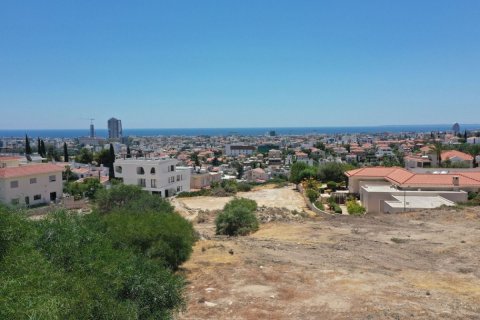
(74,133)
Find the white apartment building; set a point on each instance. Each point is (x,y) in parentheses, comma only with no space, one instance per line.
(157,175)
(233,150)
(30,184)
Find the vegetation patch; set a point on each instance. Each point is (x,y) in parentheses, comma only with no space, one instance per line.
(116,263)
(237,218)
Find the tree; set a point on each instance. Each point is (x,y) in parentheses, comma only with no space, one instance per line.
(129,154)
(437,149)
(237,218)
(39,146)
(333,171)
(65,152)
(84,156)
(28,149)
(215,162)
(81,272)
(43,150)
(102,157)
(111,172)
(296,172)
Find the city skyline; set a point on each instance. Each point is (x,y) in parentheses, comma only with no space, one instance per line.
(231,65)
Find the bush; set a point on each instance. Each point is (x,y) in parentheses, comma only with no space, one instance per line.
(319,205)
(237,218)
(354,208)
(202,192)
(332,185)
(244,187)
(312,195)
(163,236)
(337,209)
(67,267)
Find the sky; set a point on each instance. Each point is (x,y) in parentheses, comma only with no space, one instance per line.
(239,63)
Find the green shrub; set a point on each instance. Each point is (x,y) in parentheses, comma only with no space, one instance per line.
(237,218)
(163,236)
(66,267)
(251,205)
(130,197)
(312,195)
(337,208)
(319,205)
(244,187)
(354,208)
(202,192)
(332,185)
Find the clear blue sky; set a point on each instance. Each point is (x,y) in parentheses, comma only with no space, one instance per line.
(245,63)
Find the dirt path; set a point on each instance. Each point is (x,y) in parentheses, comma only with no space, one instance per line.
(415,265)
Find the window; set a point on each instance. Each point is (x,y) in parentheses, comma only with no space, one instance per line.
(179,188)
(152,171)
(153,183)
(171,168)
(178,177)
(37,197)
(140,170)
(171,179)
(118,169)
(33,180)
(141,182)
(14,184)
(52,178)
(15,201)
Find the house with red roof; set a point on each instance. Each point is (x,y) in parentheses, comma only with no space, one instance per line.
(30,184)
(376,186)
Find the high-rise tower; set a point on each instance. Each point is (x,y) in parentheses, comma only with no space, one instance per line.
(114,128)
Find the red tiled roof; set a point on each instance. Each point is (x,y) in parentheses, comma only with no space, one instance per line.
(456,154)
(403,177)
(7,158)
(29,170)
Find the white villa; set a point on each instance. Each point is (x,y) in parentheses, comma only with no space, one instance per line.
(159,176)
(29,184)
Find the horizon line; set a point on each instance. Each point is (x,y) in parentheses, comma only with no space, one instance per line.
(262,127)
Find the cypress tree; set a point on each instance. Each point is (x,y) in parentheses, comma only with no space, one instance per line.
(43,151)
(38,146)
(65,152)
(111,172)
(129,154)
(28,149)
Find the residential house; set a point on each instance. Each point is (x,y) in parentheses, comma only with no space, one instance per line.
(159,176)
(30,184)
(375,185)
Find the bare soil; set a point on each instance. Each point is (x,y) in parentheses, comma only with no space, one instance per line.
(422,265)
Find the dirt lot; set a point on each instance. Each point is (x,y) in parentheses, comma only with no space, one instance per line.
(415,265)
(286,197)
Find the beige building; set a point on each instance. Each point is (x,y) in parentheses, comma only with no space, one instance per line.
(30,184)
(393,189)
(204,180)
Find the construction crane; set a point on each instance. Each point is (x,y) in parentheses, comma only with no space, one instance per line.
(92,129)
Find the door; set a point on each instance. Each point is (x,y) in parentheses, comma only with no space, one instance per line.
(53,196)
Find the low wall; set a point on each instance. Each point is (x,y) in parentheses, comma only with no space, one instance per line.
(310,205)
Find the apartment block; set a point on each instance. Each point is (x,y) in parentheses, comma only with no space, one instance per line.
(156,175)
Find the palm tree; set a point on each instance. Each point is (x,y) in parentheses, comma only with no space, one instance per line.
(438,148)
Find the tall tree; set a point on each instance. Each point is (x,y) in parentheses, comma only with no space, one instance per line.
(111,172)
(28,149)
(129,154)
(65,152)
(43,152)
(39,146)
(437,149)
